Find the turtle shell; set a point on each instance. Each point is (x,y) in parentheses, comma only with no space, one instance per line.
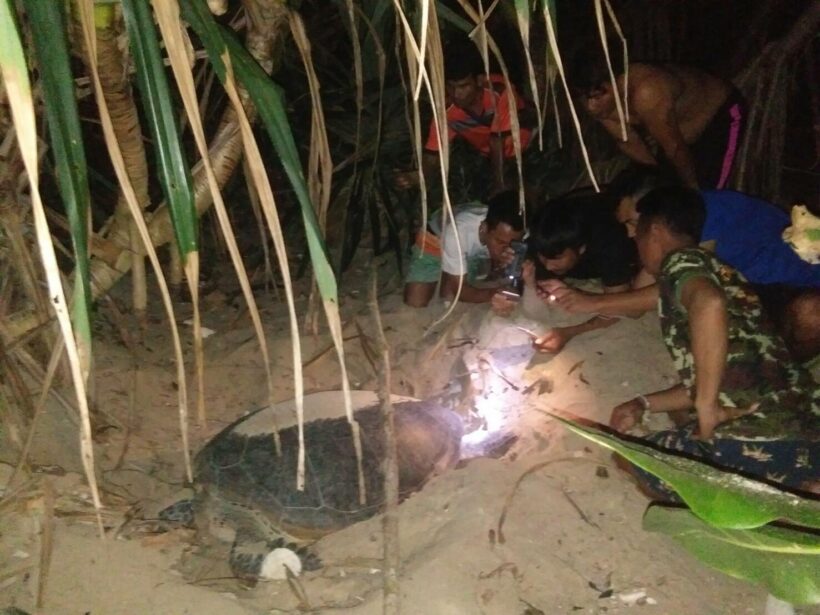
(239,466)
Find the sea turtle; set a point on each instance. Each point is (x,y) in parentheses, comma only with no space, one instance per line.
(246,494)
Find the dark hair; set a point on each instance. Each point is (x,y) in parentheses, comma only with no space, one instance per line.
(462,60)
(559,226)
(588,70)
(638,181)
(504,207)
(682,210)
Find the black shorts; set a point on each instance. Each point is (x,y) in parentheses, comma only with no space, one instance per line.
(716,149)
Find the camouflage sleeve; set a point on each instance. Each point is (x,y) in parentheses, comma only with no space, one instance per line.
(684,265)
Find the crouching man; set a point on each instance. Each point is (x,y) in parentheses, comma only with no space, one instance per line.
(756,411)
(484,233)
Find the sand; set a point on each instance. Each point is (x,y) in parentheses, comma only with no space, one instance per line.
(572,537)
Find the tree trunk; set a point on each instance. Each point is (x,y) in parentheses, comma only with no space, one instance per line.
(267,27)
(118,95)
(803,29)
(763,83)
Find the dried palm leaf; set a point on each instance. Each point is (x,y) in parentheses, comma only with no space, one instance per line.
(86,16)
(357,68)
(515,125)
(175,175)
(47,23)
(262,184)
(268,101)
(390,522)
(46,541)
(320,163)
(553,43)
(522,12)
(434,82)
(622,109)
(15,76)
(53,362)
(415,125)
(174,35)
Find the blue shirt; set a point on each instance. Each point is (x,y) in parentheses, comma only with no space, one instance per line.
(748,236)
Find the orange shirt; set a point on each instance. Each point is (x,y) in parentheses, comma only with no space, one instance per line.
(494,119)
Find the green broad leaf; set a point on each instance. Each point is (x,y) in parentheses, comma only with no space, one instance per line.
(784,560)
(269,101)
(719,497)
(175,175)
(48,29)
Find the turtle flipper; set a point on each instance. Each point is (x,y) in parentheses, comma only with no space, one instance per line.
(308,559)
(253,558)
(247,554)
(179,513)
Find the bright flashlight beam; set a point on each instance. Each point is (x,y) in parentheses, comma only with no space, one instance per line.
(532,334)
(491,411)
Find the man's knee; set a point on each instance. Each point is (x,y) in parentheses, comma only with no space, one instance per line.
(801,325)
(418,294)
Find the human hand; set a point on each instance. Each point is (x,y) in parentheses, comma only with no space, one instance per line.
(546,289)
(626,415)
(552,341)
(501,304)
(573,300)
(506,257)
(405,180)
(712,414)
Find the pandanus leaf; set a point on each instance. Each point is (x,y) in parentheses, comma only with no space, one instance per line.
(785,560)
(719,497)
(175,175)
(269,101)
(18,94)
(47,23)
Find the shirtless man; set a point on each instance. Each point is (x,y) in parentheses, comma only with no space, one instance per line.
(678,115)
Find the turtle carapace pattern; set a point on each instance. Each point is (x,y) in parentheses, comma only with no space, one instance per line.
(242,485)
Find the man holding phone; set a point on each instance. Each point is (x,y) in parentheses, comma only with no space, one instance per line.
(486,235)
(576,237)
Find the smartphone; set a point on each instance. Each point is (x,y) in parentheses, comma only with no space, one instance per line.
(511,295)
(513,269)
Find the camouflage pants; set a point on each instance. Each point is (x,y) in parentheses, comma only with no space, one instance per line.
(787,462)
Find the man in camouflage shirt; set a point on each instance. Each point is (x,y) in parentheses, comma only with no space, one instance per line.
(757,411)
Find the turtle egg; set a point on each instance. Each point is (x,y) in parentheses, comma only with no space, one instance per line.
(275,562)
